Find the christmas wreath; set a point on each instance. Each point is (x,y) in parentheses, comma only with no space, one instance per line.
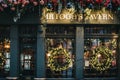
(101,58)
(59,59)
(2,60)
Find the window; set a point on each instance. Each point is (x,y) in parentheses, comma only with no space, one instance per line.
(27,37)
(95,38)
(60,37)
(7,54)
(4,51)
(27,59)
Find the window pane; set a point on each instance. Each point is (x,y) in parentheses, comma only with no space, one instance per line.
(4,51)
(62,38)
(100,52)
(27,37)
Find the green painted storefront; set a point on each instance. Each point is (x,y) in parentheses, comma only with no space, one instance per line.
(31,37)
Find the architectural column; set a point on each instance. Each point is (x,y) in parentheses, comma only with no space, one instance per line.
(79,52)
(40,56)
(14,52)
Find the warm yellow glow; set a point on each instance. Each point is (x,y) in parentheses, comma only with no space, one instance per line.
(50,16)
(114,51)
(0,54)
(99,55)
(48,54)
(7,46)
(70,15)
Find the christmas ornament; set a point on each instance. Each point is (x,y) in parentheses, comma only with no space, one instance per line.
(49,6)
(69,5)
(35,3)
(91,6)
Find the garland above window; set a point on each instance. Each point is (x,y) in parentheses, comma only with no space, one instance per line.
(58,4)
(20,6)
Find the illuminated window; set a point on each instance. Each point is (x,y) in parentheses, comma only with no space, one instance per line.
(4,51)
(27,50)
(60,37)
(100,45)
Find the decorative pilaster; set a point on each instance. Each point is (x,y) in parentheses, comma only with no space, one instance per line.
(14,52)
(79,52)
(40,56)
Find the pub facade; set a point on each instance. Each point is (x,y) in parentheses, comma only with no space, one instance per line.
(67,41)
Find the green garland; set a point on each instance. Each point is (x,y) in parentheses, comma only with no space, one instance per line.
(59,59)
(2,60)
(101,58)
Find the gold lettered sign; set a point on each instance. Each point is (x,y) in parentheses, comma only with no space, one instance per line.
(70,16)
